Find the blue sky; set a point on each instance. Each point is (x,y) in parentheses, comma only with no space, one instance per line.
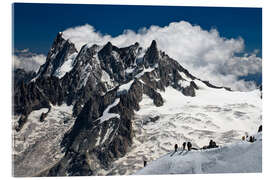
(221,58)
(36,25)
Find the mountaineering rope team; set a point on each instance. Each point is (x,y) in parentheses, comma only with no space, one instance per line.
(212,144)
(189,146)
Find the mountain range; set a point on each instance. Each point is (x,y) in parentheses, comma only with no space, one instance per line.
(101,109)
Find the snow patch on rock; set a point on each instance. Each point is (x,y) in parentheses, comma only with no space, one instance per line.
(107,115)
(125,87)
(145,70)
(66,66)
(184,83)
(105,78)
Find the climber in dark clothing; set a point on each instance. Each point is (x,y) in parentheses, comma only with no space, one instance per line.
(212,144)
(184,145)
(251,139)
(175,147)
(260,128)
(144,163)
(189,145)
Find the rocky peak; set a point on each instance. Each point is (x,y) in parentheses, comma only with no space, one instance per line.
(153,44)
(57,42)
(86,54)
(107,49)
(129,54)
(58,54)
(114,61)
(151,56)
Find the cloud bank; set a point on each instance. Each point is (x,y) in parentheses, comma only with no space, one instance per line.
(204,53)
(28,61)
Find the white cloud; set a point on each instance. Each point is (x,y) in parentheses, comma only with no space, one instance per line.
(28,61)
(204,53)
(22,50)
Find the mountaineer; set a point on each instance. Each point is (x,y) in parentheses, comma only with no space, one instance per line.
(184,145)
(175,147)
(189,145)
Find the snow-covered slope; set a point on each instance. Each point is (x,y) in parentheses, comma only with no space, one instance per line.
(240,157)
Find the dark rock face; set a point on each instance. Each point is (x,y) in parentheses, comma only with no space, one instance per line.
(20,75)
(86,129)
(157,99)
(151,119)
(189,91)
(260,87)
(217,87)
(26,98)
(83,79)
(194,85)
(116,60)
(96,140)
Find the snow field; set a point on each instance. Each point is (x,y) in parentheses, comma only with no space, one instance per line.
(37,145)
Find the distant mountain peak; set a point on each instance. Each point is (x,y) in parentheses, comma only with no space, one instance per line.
(152,54)
(153,44)
(57,56)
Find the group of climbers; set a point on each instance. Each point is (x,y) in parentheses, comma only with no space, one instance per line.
(212,144)
(188,144)
(251,138)
(248,138)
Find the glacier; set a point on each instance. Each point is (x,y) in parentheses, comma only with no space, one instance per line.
(218,114)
